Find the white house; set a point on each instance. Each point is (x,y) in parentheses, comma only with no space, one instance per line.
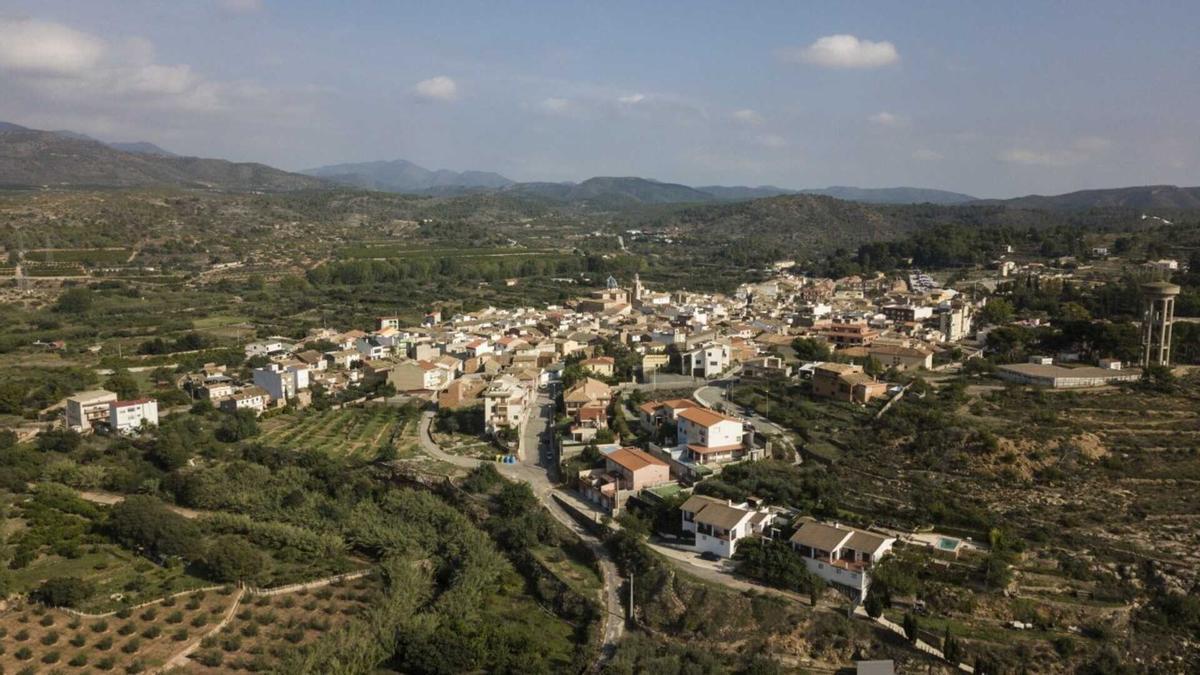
(505,402)
(839,554)
(127,416)
(708,437)
(266,348)
(719,525)
(87,407)
(282,381)
(250,398)
(707,361)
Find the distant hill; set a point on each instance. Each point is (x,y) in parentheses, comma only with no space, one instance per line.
(30,158)
(604,192)
(404,176)
(741,192)
(1139,197)
(141,148)
(896,195)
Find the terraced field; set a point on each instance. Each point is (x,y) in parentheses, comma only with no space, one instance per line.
(350,431)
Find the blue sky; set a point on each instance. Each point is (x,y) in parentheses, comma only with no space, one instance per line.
(993,99)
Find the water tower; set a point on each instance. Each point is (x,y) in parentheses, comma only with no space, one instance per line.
(1156,322)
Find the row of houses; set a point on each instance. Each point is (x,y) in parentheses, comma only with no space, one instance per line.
(87,410)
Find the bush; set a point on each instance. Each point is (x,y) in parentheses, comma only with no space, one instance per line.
(175,617)
(64,591)
(105,643)
(78,661)
(126,629)
(131,646)
(124,613)
(50,638)
(199,620)
(150,614)
(152,632)
(24,653)
(106,663)
(78,640)
(100,626)
(231,643)
(21,635)
(210,657)
(250,630)
(47,620)
(180,635)
(135,667)
(51,657)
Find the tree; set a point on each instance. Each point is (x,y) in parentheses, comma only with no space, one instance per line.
(143,522)
(950,647)
(122,382)
(64,591)
(231,558)
(874,605)
(65,441)
(811,349)
(910,626)
(74,301)
(997,312)
(238,426)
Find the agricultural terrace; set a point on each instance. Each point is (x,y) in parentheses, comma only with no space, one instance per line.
(90,257)
(352,432)
(392,251)
(37,639)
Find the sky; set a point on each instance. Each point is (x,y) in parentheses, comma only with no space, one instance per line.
(993,99)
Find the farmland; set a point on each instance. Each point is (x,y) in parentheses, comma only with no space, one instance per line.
(392,251)
(352,432)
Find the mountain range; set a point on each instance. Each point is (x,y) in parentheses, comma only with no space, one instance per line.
(30,157)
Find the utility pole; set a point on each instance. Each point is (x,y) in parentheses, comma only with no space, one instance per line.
(631,595)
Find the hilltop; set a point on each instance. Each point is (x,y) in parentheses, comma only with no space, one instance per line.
(34,158)
(1136,197)
(404,176)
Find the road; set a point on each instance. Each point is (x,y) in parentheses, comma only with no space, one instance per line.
(535,467)
(712,395)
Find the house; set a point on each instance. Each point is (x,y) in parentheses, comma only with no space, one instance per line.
(392,322)
(707,361)
(128,416)
(250,398)
(708,437)
(653,414)
(585,392)
(266,348)
(766,368)
(344,358)
(215,391)
(282,381)
(719,525)
(600,365)
(906,313)
(626,471)
(418,376)
(505,403)
(88,407)
(461,393)
(848,334)
(845,382)
(839,554)
(902,358)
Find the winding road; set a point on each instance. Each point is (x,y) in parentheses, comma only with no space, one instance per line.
(536,464)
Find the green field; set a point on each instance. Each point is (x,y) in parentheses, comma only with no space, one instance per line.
(401,251)
(351,431)
(88,256)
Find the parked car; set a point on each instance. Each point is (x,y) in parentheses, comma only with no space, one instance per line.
(710,556)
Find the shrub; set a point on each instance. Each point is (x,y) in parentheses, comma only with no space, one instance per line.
(78,640)
(100,626)
(135,667)
(294,636)
(47,620)
(64,592)
(106,663)
(74,623)
(24,653)
(21,635)
(131,646)
(51,657)
(231,643)
(246,614)
(105,643)
(124,613)
(199,621)
(150,614)
(210,657)
(126,629)
(78,661)
(50,638)
(168,601)
(265,618)
(262,601)
(193,603)
(250,630)
(175,617)
(152,632)
(180,635)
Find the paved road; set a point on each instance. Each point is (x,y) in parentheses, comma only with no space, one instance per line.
(534,469)
(713,396)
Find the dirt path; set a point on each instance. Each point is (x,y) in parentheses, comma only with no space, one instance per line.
(179,660)
(108,499)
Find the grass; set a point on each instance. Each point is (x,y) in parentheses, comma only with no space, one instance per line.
(114,571)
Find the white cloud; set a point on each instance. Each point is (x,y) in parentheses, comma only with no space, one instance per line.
(748,116)
(241,6)
(887,119)
(440,88)
(1082,150)
(927,155)
(555,105)
(631,99)
(771,141)
(844,51)
(40,47)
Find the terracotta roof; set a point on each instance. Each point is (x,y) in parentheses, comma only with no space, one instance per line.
(721,515)
(697,502)
(704,416)
(634,459)
(821,536)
